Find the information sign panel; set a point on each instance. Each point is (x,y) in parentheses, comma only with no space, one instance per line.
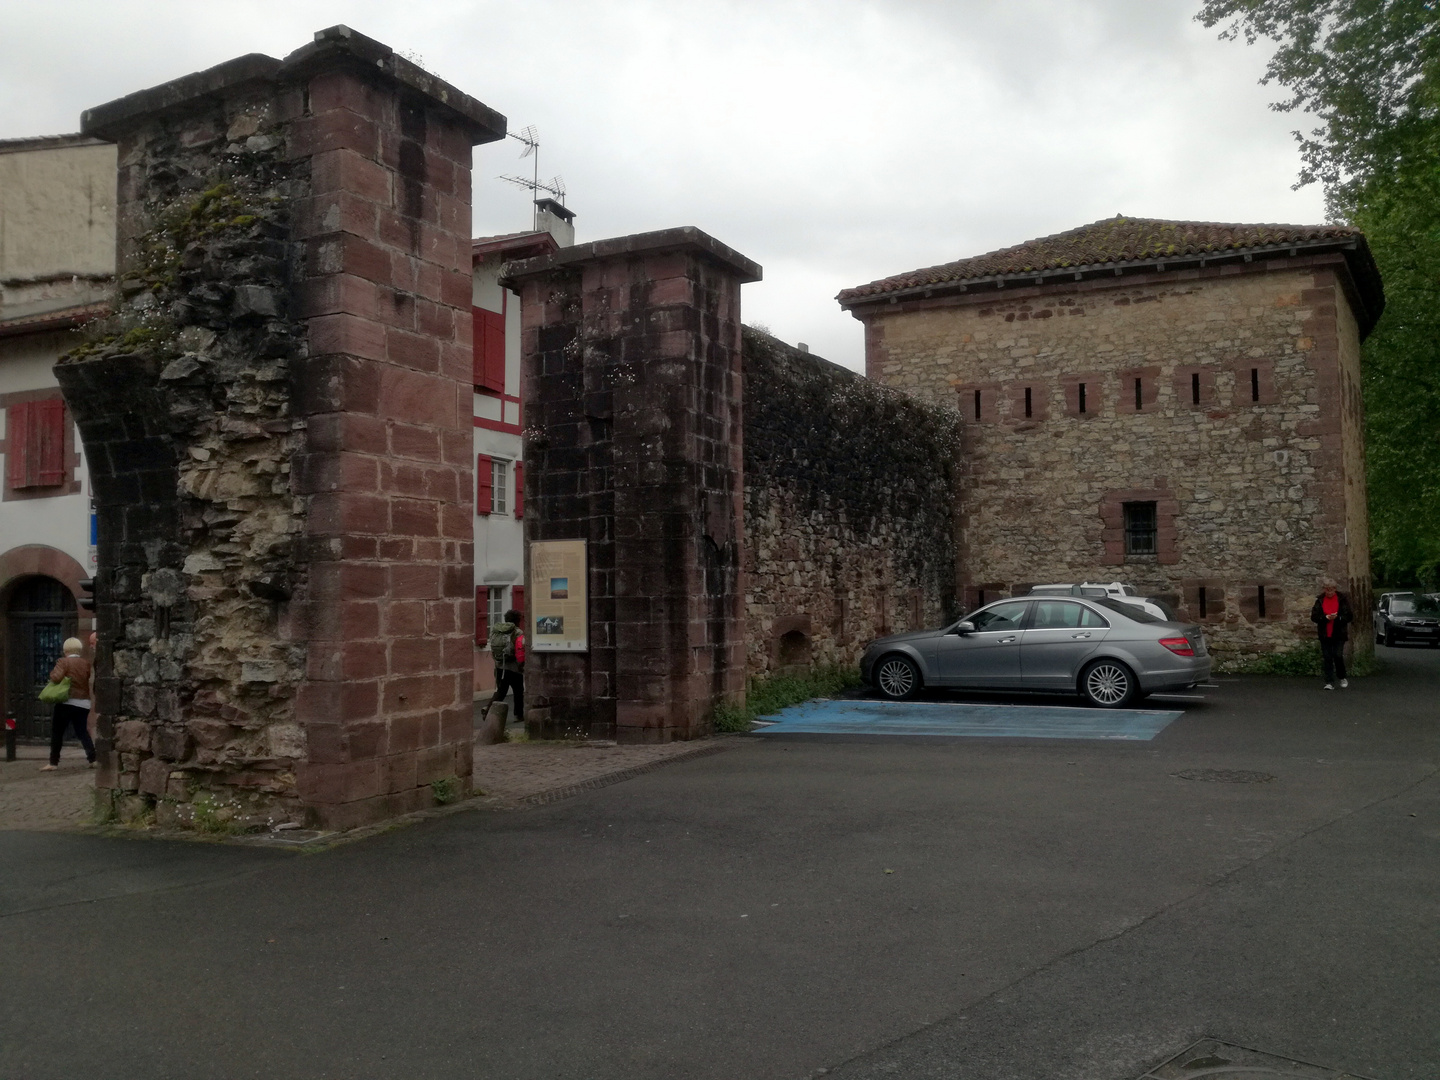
(559,606)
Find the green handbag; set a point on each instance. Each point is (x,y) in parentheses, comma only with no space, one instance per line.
(56,692)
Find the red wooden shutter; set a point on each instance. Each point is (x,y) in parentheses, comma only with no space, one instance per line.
(517,601)
(495,351)
(519,489)
(49,421)
(17,444)
(484,485)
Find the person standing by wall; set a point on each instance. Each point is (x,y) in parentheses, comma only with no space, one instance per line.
(74,712)
(507,646)
(1332,617)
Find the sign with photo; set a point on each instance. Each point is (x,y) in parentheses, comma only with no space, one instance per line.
(559,615)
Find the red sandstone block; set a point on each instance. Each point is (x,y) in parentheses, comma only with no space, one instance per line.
(458,447)
(413,350)
(456,521)
(345,170)
(415,582)
(404,618)
(430,722)
(454,288)
(399,771)
(675,290)
(440,618)
(343,90)
(407,440)
(325,744)
(349,431)
(444,485)
(435,762)
(457,359)
(402,478)
(315,473)
(351,335)
(404,734)
(458,581)
(334,129)
(359,700)
(318,703)
(414,517)
(348,512)
(367,740)
(404,272)
(439,246)
(417,397)
(448,139)
(394,307)
(335,293)
(454,212)
(364,660)
(397,231)
(346,253)
(458,651)
(335,212)
(428,550)
(407,694)
(429,283)
(358,547)
(456,726)
(398,549)
(415,656)
(436,321)
(347,620)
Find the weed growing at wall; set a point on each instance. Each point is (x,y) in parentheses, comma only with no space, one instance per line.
(446,790)
(1303,660)
(769,695)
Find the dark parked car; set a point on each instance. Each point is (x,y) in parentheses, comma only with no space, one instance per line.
(1407,616)
(1109,652)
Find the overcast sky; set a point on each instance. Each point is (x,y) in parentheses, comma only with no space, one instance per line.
(833,142)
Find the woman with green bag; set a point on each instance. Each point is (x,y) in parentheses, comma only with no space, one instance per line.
(74,710)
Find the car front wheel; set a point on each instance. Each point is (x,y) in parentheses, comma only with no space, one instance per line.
(1108,684)
(1389,638)
(897,678)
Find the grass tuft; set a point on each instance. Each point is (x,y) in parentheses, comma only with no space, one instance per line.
(769,695)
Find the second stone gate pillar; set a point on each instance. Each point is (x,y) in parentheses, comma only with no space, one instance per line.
(633,443)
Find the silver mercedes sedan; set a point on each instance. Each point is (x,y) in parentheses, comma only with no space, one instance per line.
(1110,653)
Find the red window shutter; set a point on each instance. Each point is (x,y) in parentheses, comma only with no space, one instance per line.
(17,444)
(517,600)
(49,434)
(519,489)
(495,351)
(484,485)
(477,344)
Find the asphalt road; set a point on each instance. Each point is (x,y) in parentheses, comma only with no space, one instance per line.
(871,907)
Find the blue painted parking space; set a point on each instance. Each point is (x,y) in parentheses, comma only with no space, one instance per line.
(966,720)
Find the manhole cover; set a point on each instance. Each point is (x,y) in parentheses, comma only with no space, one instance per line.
(1225,776)
(1215,1060)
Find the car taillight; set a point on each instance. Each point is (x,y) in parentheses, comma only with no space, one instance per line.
(1178,645)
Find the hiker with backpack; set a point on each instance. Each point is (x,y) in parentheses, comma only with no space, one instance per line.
(507,647)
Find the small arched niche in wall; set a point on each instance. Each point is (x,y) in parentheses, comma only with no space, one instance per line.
(790,643)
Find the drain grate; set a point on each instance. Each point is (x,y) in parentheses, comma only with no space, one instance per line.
(1225,776)
(1216,1060)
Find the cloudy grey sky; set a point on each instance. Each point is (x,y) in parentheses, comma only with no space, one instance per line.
(834,142)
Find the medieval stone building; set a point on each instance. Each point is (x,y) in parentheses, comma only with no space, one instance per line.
(1173,404)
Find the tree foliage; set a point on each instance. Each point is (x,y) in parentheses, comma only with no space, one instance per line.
(1369,72)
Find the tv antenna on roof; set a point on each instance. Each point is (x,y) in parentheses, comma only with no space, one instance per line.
(556,186)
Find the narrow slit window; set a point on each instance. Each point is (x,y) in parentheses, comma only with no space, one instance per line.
(1141,533)
(1139,401)
(1254,384)
(1081,395)
(977,404)
(1203,608)
(1029,409)
(1195,388)
(1260,600)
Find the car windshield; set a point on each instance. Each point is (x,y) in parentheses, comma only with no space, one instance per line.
(1413,605)
(1131,611)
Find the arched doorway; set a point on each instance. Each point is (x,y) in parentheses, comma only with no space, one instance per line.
(40,614)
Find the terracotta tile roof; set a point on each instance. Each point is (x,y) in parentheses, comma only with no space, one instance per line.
(62,319)
(1114,240)
(516,245)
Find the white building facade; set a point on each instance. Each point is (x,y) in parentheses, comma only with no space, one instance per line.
(57,257)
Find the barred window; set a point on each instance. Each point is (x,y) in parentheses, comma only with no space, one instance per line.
(1140,530)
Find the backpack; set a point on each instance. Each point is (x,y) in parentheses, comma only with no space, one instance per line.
(502,642)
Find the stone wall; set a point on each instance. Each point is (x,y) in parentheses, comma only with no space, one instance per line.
(849,509)
(1252,489)
(277,422)
(632,385)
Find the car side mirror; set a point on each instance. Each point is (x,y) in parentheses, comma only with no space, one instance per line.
(965,627)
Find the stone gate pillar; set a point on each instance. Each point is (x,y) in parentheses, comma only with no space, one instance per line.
(633,442)
(277,422)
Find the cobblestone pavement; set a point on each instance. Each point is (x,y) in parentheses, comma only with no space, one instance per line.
(512,774)
(31,799)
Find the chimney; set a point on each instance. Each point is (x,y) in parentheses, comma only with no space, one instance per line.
(555,219)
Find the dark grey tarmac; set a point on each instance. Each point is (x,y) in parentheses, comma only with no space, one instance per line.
(800,905)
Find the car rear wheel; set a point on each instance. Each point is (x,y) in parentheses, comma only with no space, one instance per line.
(897,678)
(1108,684)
